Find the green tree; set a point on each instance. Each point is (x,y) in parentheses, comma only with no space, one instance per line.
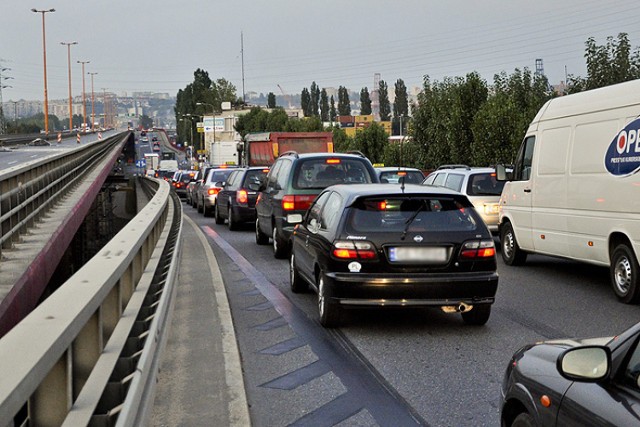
(332,110)
(608,64)
(344,105)
(146,121)
(314,99)
(341,142)
(443,118)
(261,120)
(324,106)
(372,141)
(305,102)
(406,153)
(385,105)
(271,100)
(400,108)
(500,123)
(365,101)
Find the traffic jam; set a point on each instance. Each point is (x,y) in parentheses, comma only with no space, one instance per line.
(361,236)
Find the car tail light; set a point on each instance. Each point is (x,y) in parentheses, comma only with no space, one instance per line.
(213,191)
(178,185)
(478,249)
(299,203)
(241,196)
(349,249)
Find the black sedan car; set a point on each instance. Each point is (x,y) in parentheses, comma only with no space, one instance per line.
(589,382)
(380,245)
(236,200)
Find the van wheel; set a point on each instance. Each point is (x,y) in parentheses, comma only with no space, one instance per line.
(279,245)
(511,252)
(624,274)
(216,215)
(297,283)
(330,312)
(261,238)
(478,315)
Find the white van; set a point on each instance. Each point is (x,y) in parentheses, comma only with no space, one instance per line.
(575,187)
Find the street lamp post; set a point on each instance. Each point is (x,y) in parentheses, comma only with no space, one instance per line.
(69,44)
(213,114)
(44,55)
(93,112)
(84,103)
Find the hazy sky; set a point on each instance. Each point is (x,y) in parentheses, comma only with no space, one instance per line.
(156,45)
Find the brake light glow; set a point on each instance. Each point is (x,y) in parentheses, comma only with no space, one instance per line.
(333,161)
(348,249)
(382,205)
(478,249)
(292,202)
(402,173)
(241,196)
(213,191)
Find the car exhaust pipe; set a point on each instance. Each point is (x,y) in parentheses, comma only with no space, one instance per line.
(460,308)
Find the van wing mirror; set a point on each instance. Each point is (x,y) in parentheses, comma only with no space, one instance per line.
(502,174)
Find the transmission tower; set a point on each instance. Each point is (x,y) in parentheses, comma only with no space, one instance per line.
(2,86)
(375,98)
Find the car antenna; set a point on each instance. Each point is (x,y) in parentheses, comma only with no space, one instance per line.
(402,183)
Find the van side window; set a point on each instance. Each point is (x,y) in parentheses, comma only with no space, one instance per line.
(454,181)
(439,180)
(522,171)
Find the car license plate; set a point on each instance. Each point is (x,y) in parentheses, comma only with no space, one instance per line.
(418,254)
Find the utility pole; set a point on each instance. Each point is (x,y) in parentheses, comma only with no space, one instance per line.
(69,44)
(2,86)
(93,111)
(242,59)
(44,55)
(84,102)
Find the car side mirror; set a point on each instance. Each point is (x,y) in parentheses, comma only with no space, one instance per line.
(586,363)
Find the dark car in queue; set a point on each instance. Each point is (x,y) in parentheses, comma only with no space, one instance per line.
(191,187)
(181,181)
(380,245)
(236,202)
(293,182)
(574,382)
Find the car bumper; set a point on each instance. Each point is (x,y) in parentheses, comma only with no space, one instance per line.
(210,201)
(413,289)
(244,213)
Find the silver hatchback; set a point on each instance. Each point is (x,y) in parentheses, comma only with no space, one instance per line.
(478,184)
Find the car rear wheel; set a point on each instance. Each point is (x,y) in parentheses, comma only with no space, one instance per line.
(523,420)
(216,215)
(279,244)
(478,315)
(233,224)
(624,274)
(329,311)
(511,252)
(297,283)
(199,206)
(261,238)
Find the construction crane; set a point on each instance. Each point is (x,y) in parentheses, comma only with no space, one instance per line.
(287,97)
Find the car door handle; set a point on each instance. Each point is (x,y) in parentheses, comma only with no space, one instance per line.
(527,190)
(306,241)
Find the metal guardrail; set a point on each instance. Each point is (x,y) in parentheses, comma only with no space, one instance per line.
(28,192)
(89,353)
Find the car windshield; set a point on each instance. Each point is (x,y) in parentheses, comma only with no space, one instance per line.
(410,177)
(484,184)
(323,172)
(411,213)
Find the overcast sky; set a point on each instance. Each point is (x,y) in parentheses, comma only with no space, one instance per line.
(156,45)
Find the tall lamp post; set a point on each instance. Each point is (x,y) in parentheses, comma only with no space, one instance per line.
(69,44)
(93,111)
(84,103)
(44,55)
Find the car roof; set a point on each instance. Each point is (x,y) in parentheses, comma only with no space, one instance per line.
(353,191)
(466,169)
(321,155)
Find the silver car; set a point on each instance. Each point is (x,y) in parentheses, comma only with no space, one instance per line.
(207,191)
(478,184)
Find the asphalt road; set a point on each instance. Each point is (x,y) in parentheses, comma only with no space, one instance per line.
(395,367)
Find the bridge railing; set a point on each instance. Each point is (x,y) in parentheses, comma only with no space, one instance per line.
(88,354)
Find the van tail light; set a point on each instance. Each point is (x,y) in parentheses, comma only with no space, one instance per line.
(478,249)
(297,203)
(213,191)
(349,249)
(241,196)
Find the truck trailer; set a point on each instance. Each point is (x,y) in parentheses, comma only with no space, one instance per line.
(261,149)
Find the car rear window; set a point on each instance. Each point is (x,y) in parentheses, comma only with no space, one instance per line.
(393,177)
(219,175)
(484,184)
(323,172)
(254,177)
(419,214)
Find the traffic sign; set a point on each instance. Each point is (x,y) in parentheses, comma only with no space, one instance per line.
(141,163)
